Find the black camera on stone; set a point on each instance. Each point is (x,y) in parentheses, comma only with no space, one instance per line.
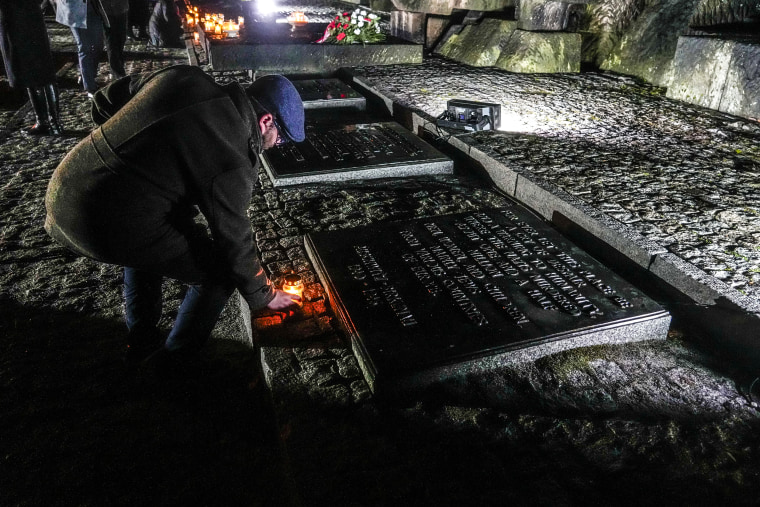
(470,115)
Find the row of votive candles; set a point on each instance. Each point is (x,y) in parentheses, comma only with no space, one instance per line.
(215,23)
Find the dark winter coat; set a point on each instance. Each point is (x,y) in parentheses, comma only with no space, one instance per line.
(73,13)
(165,25)
(25,45)
(169,141)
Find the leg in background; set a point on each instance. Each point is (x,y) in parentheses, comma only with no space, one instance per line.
(143,303)
(116,37)
(42,125)
(198,314)
(89,47)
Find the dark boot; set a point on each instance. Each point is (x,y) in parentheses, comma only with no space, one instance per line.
(53,108)
(39,104)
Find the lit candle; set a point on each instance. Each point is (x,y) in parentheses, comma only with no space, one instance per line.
(196,36)
(241,20)
(297,17)
(292,284)
(218,29)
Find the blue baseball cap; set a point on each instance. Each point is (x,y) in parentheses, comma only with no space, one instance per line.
(279,97)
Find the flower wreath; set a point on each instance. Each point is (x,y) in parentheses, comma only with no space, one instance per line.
(355,27)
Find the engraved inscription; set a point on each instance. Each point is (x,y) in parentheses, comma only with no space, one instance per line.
(505,303)
(476,255)
(621,301)
(434,295)
(375,271)
(357,272)
(465,304)
(397,304)
(374,296)
(427,280)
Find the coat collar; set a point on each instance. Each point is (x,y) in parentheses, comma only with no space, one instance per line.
(247,114)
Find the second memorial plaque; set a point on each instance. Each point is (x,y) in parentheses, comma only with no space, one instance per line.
(448,295)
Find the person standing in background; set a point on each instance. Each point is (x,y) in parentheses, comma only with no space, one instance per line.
(48,5)
(115,26)
(28,61)
(89,21)
(139,14)
(166,25)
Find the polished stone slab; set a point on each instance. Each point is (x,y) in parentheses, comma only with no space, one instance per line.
(354,151)
(329,93)
(436,298)
(276,48)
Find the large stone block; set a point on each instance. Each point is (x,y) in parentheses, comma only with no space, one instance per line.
(724,12)
(543,15)
(434,29)
(479,45)
(648,46)
(446,40)
(408,26)
(381,5)
(699,70)
(447,6)
(469,293)
(274,48)
(719,74)
(418,27)
(741,95)
(532,52)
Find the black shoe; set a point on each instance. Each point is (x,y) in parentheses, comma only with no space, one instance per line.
(140,345)
(53,109)
(135,355)
(39,105)
(38,129)
(164,364)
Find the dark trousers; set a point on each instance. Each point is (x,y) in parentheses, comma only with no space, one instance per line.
(90,46)
(116,37)
(197,316)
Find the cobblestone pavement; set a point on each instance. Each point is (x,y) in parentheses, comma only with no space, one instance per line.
(77,428)
(653,422)
(685,177)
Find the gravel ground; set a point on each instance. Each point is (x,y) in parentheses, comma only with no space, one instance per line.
(647,423)
(682,176)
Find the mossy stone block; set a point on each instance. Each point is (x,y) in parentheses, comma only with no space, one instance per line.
(538,52)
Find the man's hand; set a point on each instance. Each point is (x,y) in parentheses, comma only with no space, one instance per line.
(283,300)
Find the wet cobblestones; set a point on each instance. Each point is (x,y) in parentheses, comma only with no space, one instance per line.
(682,176)
(642,423)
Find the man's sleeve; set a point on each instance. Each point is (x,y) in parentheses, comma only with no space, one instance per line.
(233,238)
(107,101)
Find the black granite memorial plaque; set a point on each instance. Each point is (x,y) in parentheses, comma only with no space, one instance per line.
(450,295)
(350,152)
(276,48)
(329,93)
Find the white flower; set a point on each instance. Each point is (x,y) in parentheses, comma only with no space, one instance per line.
(361,24)
(363,13)
(357,10)
(377,28)
(373,16)
(353,21)
(357,31)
